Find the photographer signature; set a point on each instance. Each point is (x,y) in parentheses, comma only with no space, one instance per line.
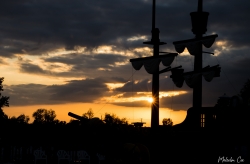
(226,159)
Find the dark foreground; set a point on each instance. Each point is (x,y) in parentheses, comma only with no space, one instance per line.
(129,145)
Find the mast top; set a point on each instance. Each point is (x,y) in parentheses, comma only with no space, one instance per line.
(200,6)
(153,15)
(199,20)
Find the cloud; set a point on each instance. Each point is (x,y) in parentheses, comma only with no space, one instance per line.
(37,27)
(180,102)
(140,86)
(3,61)
(79,90)
(94,40)
(27,94)
(143,103)
(74,65)
(31,68)
(87,90)
(89,63)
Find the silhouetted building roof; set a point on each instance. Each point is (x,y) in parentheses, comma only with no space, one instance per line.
(138,124)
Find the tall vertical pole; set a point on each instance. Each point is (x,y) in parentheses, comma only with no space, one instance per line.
(153,15)
(155,79)
(197,90)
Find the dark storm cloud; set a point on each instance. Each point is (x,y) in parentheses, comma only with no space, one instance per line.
(79,90)
(141,86)
(81,65)
(87,90)
(36,24)
(92,62)
(180,102)
(37,27)
(27,94)
(229,19)
(145,85)
(31,68)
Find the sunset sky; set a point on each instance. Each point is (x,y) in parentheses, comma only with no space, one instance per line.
(73,55)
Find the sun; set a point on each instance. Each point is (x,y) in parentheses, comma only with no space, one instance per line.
(150,99)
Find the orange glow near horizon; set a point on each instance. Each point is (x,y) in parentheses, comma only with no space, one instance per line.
(139,96)
(132,114)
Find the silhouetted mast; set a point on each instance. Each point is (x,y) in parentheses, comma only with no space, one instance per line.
(194,46)
(155,79)
(200,4)
(197,91)
(151,65)
(153,15)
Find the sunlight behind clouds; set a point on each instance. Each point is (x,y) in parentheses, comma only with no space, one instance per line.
(143,49)
(11,71)
(185,52)
(135,38)
(121,63)
(104,49)
(138,96)
(63,51)
(56,67)
(104,69)
(221,46)
(112,86)
(107,49)
(3,61)
(171,93)
(120,98)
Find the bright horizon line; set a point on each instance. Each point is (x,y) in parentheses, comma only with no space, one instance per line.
(132,114)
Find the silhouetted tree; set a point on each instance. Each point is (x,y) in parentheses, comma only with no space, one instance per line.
(89,114)
(124,121)
(167,122)
(58,122)
(108,119)
(245,93)
(50,116)
(223,101)
(113,119)
(22,119)
(74,122)
(44,116)
(4,101)
(39,115)
(3,116)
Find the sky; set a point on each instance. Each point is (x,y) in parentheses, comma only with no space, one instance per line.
(70,56)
